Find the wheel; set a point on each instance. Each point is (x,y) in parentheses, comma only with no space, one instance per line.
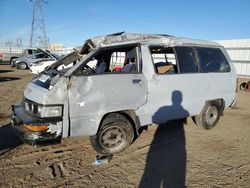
(209,116)
(115,135)
(22,65)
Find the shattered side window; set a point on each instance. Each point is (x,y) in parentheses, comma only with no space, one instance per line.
(111,61)
(212,60)
(187,59)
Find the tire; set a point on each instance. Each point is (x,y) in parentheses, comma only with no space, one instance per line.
(22,65)
(116,133)
(209,116)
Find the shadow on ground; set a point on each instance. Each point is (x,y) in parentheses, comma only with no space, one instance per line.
(5,71)
(7,79)
(8,139)
(166,160)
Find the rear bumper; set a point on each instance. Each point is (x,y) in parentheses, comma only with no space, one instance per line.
(20,118)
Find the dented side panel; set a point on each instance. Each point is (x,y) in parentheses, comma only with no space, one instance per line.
(91,97)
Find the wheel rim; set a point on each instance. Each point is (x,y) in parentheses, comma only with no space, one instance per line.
(22,66)
(113,137)
(211,115)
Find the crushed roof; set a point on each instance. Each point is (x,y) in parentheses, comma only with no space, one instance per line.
(123,37)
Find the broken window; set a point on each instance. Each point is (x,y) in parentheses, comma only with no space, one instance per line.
(112,60)
(212,60)
(164,60)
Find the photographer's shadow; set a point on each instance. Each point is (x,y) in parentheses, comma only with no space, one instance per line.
(166,160)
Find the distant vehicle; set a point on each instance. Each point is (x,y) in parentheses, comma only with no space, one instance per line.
(39,67)
(162,78)
(27,61)
(9,57)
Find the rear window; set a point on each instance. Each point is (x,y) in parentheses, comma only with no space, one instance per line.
(212,60)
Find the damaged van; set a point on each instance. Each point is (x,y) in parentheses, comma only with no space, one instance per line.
(118,83)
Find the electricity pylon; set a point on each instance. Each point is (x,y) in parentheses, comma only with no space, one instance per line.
(38,35)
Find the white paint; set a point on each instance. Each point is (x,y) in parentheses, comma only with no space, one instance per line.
(81,104)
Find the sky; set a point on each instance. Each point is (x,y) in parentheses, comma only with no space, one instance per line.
(71,22)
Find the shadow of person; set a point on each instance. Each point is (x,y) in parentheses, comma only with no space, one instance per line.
(166,160)
(8,139)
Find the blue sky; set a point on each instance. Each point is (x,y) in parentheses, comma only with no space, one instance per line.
(70,22)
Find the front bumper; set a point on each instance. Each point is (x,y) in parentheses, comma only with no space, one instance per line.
(21,117)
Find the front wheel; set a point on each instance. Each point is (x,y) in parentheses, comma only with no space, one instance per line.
(115,135)
(22,65)
(209,116)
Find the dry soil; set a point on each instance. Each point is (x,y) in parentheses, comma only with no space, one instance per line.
(177,154)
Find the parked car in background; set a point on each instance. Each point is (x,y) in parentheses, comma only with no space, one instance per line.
(26,61)
(10,55)
(39,67)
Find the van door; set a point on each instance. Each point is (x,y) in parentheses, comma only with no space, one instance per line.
(96,94)
(175,90)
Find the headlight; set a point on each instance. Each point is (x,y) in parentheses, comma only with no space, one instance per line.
(16,61)
(49,111)
(44,111)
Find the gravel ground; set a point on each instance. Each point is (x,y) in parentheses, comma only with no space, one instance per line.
(177,154)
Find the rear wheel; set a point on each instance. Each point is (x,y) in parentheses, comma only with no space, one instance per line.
(115,135)
(22,65)
(209,116)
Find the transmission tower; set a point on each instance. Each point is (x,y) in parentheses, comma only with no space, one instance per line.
(38,35)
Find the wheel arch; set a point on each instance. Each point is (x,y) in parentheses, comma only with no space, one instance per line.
(18,64)
(201,119)
(128,114)
(220,102)
(13,57)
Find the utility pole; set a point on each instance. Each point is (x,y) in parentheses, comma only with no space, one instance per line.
(38,36)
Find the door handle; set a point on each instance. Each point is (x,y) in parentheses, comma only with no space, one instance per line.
(137,81)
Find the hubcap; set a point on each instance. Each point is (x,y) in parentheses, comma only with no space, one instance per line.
(23,66)
(211,115)
(113,136)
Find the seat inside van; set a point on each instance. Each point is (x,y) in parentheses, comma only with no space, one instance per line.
(163,67)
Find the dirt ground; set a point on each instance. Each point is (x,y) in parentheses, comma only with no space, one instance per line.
(177,154)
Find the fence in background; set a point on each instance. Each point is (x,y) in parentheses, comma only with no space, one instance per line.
(239,52)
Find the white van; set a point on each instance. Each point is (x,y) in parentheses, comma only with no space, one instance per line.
(160,78)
